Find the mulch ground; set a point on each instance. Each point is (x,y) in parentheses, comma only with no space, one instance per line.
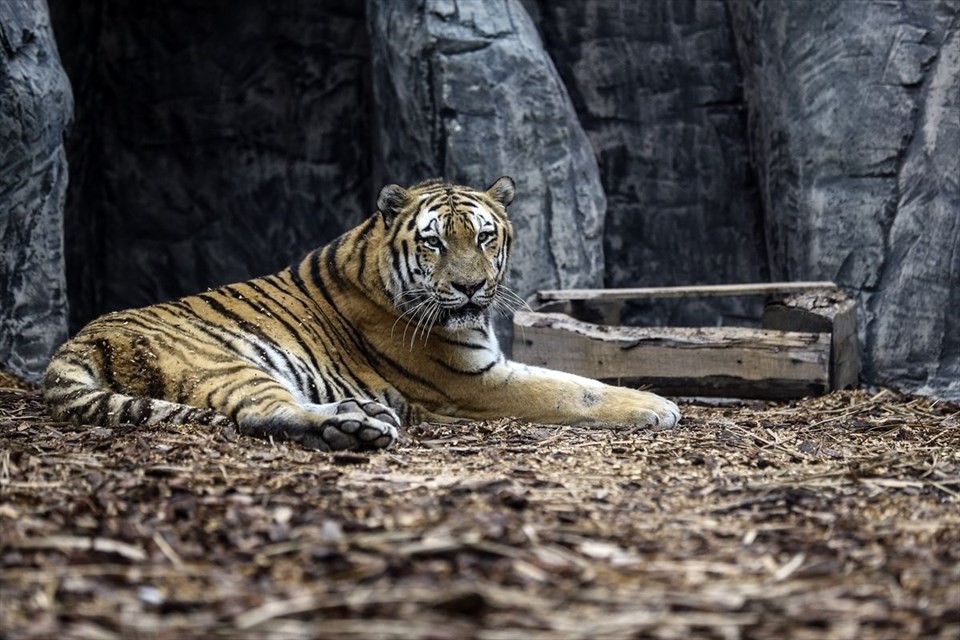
(834,517)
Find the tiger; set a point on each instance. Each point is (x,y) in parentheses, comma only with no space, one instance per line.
(390,324)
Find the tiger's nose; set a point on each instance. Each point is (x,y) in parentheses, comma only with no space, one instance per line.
(467,289)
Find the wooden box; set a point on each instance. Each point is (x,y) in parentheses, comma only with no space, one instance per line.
(807,343)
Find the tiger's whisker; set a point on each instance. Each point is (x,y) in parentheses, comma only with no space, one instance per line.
(513,295)
(433,319)
(421,319)
(412,315)
(409,312)
(422,314)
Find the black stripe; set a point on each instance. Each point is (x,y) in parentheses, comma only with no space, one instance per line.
(251,328)
(73,398)
(125,413)
(366,225)
(430,203)
(329,255)
(405,247)
(98,411)
(318,281)
(466,372)
(403,371)
(467,345)
(307,383)
(216,349)
(175,336)
(318,314)
(363,243)
(75,359)
(252,400)
(105,351)
(142,354)
(394,232)
(323,339)
(341,319)
(234,376)
(398,268)
(230,387)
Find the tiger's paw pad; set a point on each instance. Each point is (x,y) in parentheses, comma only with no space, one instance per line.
(371,408)
(356,430)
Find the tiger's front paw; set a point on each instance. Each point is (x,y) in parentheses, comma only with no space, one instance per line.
(354,423)
(349,424)
(360,424)
(643,409)
(668,413)
(356,432)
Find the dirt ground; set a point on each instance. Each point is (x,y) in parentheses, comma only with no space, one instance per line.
(834,517)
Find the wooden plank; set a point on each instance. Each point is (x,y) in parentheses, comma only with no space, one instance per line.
(697,361)
(704,291)
(828,311)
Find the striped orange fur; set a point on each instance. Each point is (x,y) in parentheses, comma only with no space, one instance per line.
(388,324)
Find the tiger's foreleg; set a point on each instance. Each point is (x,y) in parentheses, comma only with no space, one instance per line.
(555,397)
(270,410)
(354,424)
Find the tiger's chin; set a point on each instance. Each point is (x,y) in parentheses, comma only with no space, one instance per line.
(469,316)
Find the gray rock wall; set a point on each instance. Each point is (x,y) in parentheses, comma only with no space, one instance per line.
(35,108)
(737,140)
(657,86)
(854,122)
(465,90)
(915,328)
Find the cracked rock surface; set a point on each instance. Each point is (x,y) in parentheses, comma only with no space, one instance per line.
(35,108)
(656,85)
(854,122)
(653,143)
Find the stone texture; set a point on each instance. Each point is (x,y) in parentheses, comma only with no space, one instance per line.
(853,123)
(737,140)
(656,85)
(915,328)
(465,90)
(214,141)
(35,108)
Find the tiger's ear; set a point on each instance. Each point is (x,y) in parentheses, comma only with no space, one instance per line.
(391,201)
(502,190)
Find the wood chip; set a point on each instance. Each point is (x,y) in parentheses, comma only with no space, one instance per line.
(836,516)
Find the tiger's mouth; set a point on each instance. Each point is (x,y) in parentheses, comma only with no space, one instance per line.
(468,315)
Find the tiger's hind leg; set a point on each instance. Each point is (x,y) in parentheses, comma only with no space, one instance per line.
(352,423)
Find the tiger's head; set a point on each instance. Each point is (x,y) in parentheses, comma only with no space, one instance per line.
(446,252)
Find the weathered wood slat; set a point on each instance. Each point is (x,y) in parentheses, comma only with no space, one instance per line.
(823,311)
(722,361)
(714,290)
